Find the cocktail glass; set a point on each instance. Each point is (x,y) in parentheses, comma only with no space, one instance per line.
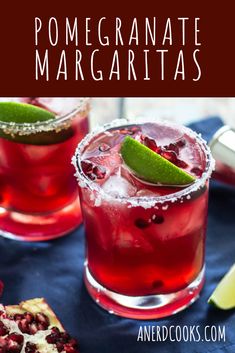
(38,194)
(145,244)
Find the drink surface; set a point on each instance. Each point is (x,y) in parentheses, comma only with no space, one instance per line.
(103,163)
(135,250)
(36,176)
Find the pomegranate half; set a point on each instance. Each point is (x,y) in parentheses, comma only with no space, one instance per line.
(32,327)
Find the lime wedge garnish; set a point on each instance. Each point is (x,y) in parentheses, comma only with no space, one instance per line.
(23,113)
(150,166)
(223,296)
(27,113)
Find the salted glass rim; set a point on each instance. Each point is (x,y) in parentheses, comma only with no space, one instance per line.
(146,201)
(47,125)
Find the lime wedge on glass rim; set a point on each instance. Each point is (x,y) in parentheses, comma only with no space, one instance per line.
(152,167)
(223,296)
(23,113)
(20,113)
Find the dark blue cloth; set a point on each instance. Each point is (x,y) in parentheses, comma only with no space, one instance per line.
(54,270)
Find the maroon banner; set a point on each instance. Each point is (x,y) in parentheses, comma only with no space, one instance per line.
(145,49)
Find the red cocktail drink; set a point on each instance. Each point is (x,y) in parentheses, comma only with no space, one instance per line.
(145,242)
(38,194)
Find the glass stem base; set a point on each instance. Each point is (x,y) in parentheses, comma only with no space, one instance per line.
(143,307)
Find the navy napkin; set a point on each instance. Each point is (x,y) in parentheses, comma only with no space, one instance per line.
(54,270)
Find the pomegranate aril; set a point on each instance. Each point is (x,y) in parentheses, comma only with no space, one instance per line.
(151,143)
(181,143)
(18,317)
(87,167)
(172,147)
(16,337)
(33,328)
(29,317)
(157,219)
(141,223)
(24,326)
(55,330)
(99,172)
(92,177)
(42,319)
(70,349)
(60,346)
(197,171)
(65,337)
(30,347)
(169,155)
(42,327)
(13,347)
(181,164)
(3,342)
(3,329)
(54,336)
(104,147)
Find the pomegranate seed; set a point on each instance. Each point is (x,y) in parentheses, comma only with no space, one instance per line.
(30,347)
(181,164)
(42,327)
(54,336)
(157,219)
(151,143)
(42,319)
(13,347)
(3,343)
(33,328)
(87,167)
(29,317)
(169,155)
(104,147)
(3,329)
(141,223)
(60,346)
(99,172)
(65,337)
(197,171)
(18,317)
(69,349)
(181,143)
(172,147)
(92,176)
(16,337)
(24,326)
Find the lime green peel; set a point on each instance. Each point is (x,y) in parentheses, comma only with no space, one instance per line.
(150,166)
(223,296)
(23,113)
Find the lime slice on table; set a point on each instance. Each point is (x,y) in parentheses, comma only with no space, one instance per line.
(20,113)
(223,296)
(150,166)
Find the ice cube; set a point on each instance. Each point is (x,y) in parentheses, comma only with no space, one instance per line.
(118,186)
